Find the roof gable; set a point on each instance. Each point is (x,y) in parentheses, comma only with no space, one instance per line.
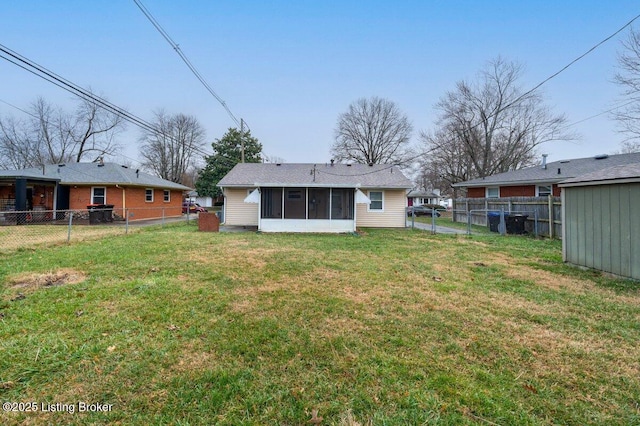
(327,175)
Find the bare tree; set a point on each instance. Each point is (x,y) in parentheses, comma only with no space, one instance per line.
(51,135)
(374,131)
(628,147)
(490,126)
(628,78)
(17,145)
(94,130)
(171,151)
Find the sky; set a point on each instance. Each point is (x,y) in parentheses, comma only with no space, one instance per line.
(289,68)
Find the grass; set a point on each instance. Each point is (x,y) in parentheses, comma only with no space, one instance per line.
(172,326)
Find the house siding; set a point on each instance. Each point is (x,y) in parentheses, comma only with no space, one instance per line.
(394,213)
(237,212)
(598,236)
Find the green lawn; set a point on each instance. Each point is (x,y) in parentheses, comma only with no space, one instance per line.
(173,326)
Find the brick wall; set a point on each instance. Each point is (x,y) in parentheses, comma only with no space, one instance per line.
(476,192)
(518,191)
(80,198)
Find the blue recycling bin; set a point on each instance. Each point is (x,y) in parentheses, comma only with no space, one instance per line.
(494,221)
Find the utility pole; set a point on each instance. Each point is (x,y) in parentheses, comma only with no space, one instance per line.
(242,138)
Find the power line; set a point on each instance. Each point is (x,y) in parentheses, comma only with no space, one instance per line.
(51,77)
(184,58)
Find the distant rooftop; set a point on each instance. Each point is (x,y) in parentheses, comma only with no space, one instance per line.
(94,174)
(555,171)
(609,175)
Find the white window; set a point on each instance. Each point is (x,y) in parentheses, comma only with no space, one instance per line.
(148,195)
(167,195)
(377,201)
(493,192)
(543,190)
(98,195)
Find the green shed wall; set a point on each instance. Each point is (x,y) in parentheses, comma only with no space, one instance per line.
(602,227)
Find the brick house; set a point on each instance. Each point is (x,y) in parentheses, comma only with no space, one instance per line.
(75,186)
(541,180)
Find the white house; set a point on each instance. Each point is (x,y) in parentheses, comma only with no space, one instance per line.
(314,197)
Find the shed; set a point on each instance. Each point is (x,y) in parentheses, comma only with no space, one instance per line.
(601,220)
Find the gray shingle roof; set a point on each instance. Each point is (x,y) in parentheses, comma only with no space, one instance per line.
(568,169)
(615,173)
(338,175)
(95,174)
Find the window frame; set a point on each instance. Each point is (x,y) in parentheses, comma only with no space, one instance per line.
(489,188)
(545,193)
(104,194)
(146,195)
(381,201)
(166,195)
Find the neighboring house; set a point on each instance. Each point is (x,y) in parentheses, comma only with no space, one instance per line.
(77,185)
(601,220)
(193,197)
(314,198)
(419,198)
(541,180)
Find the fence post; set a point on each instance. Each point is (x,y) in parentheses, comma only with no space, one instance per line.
(551,218)
(468,223)
(503,226)
(413,219)
(70,223)
(163,217)
(433,221)
(126,221)
(535,223)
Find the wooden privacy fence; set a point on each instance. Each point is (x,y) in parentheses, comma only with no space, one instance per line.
(547,209)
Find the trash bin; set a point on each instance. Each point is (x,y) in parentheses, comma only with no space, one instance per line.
(95,214)
(107,213)
(515,223)
(100,213)
(494,221)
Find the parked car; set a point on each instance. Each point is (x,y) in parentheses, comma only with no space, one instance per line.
(192,207)
(421,211)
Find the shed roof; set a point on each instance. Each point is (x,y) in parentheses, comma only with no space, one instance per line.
(321,175)
(94,174)
(555,171)
(610,175)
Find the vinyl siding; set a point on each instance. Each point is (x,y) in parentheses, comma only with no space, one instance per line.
(393,214)
(237,212)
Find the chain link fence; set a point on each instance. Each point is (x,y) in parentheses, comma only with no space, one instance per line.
(38,228)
